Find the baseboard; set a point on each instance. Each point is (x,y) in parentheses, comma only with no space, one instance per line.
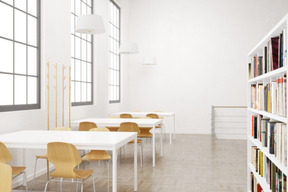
(19,181)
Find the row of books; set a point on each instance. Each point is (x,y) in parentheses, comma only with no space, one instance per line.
(274,56)
(270,97)
(255,186)
(272,135)
(274,177)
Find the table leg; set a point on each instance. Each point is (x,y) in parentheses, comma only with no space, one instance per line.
(161,139)
(174,125)
(153,145)
(114,170)
(24,165)
(170,127)
(135,164)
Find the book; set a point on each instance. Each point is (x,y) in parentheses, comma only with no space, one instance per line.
(275,52)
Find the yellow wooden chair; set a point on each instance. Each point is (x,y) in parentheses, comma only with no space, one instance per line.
(86,126)
(126,116)
(5,178)
(155,116)
(45,157)
(5,157)
(65,157)
(98,155)
(133,127)
(113,129)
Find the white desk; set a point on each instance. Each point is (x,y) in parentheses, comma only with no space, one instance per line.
(82,140)
(115,122)
(171,116)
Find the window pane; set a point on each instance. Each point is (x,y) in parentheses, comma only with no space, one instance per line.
(32,61)
(6,96)
(72,24)
(89,92)
(89,73)
(20,26)
(84,71)
(32,31)
(20,58)
(78,7)
(77,48)
(78,92)
(84,54)
(20,90)
(72,46)
(32,90)
(83,6)
(20,4)
(6,52)
(78,70)
(72,69)
(6,20)
(84,92)
(8,1)
(89,57)
(32,7)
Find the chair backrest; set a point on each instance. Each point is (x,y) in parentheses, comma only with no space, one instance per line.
(5,177)
(129,127)
(62,129)
(5,155)
(126,115)
(86,126)
(152,116)
(103,129)
(65,157)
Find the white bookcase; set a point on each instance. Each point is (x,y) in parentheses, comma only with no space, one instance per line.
(264,79)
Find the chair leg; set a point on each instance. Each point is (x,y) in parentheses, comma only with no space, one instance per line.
(34,173)
(77,184)
(108,163)
(82,186)
(46,186)
(25,178)
(141,155)
(94,190)
(61,184)
(47,169)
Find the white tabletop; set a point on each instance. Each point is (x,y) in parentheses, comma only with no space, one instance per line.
(81,139)
(140,113)
(117,121)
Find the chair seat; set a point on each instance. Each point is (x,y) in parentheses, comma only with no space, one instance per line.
(17,170)
(138,141)
(42,156)
(96,155)
(81,174)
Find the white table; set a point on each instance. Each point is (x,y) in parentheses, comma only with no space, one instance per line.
(115,122)
(38,139)
(170,115)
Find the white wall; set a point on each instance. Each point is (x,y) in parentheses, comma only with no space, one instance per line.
(201,49)
(55,45)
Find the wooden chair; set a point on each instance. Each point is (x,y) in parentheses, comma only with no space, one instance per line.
(113,129)
(155,116)
(5,157)
(45,157)
(65,157)
(132,127)
(126,116)
(99,155)
(86,126)
(5,178)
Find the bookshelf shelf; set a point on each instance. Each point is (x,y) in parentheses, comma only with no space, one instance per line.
(261,180)
(270,156)
(267,90)
(270,115)
(276,73)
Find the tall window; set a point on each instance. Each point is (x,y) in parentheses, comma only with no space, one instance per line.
(114,56)
(19,55)
(81,57)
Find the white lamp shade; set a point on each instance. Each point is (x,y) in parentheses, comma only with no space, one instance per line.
(128,48)
(90,24)
(149,60)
